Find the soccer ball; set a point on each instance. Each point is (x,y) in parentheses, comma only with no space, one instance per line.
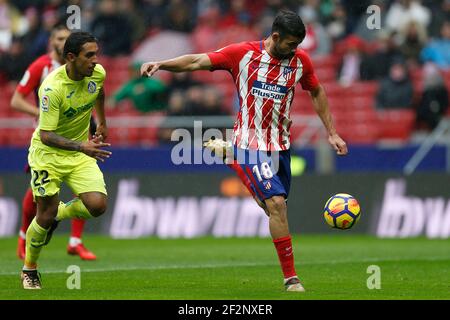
(342,211)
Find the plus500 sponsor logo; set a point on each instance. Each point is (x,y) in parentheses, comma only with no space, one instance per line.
(269,91)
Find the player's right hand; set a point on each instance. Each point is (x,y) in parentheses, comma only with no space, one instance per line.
(149,68)
(92,148)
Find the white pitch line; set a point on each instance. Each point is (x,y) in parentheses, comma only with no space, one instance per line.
(160,267)
(236,264)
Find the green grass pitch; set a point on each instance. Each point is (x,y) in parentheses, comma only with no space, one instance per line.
(330,267)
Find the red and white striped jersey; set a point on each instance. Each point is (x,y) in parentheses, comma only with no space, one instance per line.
(266,88)
(36,73)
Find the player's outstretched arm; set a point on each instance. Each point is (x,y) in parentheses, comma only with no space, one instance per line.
(320,102)
(91,148)
(189,62)
(20,103)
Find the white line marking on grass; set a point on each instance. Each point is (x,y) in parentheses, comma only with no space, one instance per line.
(235,264)
(156,267)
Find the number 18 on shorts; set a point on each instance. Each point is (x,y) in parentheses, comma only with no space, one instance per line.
(269,172)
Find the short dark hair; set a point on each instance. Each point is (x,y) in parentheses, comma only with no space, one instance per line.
(75,42)
(289,23)
(59,27)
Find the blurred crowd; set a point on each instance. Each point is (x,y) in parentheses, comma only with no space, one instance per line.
(413,35)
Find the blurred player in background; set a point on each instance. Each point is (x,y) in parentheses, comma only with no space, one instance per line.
(32,79)
(265,73)
(61,151)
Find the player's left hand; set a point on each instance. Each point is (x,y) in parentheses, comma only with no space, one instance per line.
(338,144)
(102,132)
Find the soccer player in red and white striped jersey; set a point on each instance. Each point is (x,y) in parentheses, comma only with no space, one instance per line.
(266,85)
(31,80)
(266,73)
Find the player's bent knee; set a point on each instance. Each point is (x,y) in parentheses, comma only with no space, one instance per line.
(276,205)
(97,208)
(96,203)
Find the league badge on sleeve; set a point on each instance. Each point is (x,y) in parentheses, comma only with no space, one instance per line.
(44,103)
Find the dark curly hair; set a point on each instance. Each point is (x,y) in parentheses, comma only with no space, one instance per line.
(289,23)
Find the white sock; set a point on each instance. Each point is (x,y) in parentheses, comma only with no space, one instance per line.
(286,280)
(73,241)
(28,269)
